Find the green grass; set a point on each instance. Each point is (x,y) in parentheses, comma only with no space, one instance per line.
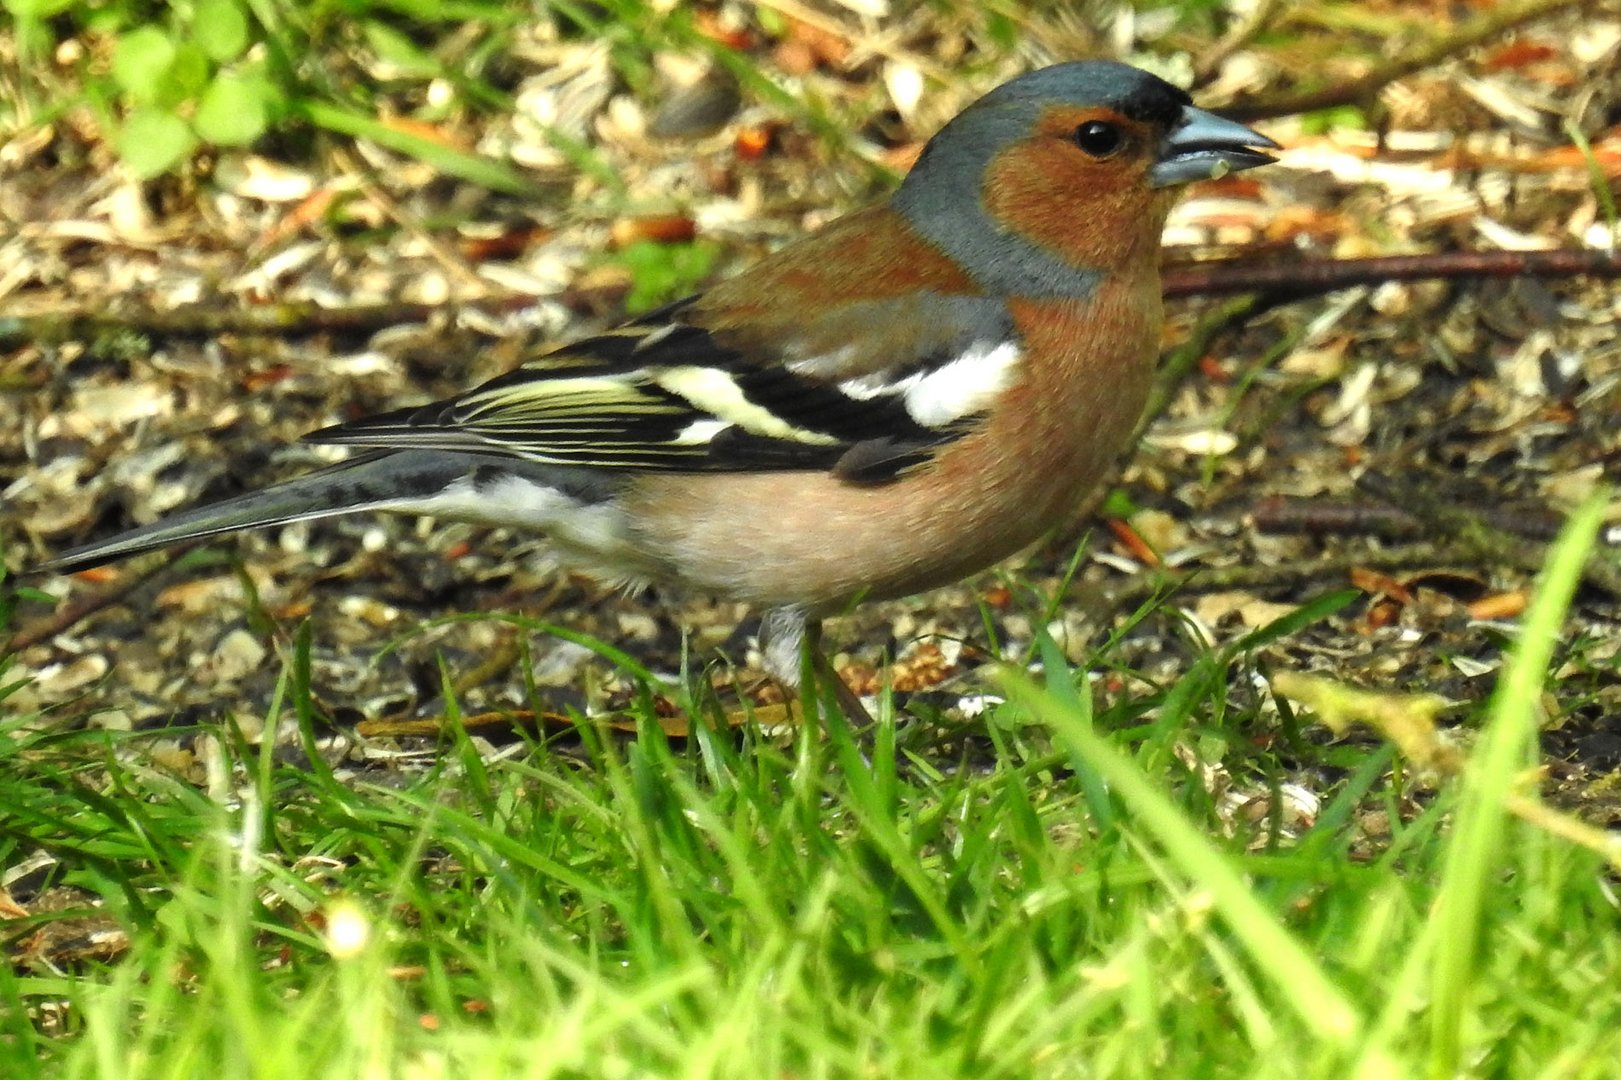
(1055,895)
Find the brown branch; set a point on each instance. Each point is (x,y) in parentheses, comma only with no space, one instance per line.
(1360,90)
(1464,546)
(1284,515)
(1291,280)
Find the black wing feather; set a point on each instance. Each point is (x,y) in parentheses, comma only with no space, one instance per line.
(617,401)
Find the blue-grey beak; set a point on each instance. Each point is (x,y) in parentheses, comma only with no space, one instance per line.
(1203,146)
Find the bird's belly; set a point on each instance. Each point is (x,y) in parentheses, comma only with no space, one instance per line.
(812,540)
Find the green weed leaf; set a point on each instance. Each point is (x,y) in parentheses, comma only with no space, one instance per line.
(187,74)
(141,61)
(36,9)
(664,272)
(233,111)
(153,141)
(220,29)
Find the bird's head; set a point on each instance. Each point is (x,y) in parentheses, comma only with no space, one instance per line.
(1066,173)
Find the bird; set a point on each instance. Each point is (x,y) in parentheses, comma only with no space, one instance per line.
(888,404)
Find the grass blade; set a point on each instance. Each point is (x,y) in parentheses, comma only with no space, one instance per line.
(447,159)
(1321,1005)
(1506,749)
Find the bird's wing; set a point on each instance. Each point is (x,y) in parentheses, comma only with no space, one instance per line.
(868,390)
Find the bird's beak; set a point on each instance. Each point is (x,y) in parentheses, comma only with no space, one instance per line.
(1203,146)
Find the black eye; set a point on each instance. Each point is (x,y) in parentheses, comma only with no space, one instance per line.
(1098,139)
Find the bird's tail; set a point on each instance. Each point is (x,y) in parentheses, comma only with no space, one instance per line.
(374,481)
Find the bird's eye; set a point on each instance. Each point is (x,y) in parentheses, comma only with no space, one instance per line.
(1098,139)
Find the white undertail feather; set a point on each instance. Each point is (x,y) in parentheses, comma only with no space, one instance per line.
(594,537)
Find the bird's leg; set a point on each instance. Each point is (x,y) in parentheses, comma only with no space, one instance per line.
(785,635)
(848,699)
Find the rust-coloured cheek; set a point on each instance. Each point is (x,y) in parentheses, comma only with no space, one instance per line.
(1094,215)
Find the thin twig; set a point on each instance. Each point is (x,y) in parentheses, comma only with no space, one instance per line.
(1239,35)
(1308,277)
(70,615)
(1360,90)
(1285,575)
(1182,359)
(452,262)
(213,320)
(1469,532)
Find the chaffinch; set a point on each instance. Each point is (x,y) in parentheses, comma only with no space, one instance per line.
(898,400)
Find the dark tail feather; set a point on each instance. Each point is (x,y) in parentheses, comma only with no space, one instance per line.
(370,482)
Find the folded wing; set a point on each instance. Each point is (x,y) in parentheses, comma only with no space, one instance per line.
(680,390)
